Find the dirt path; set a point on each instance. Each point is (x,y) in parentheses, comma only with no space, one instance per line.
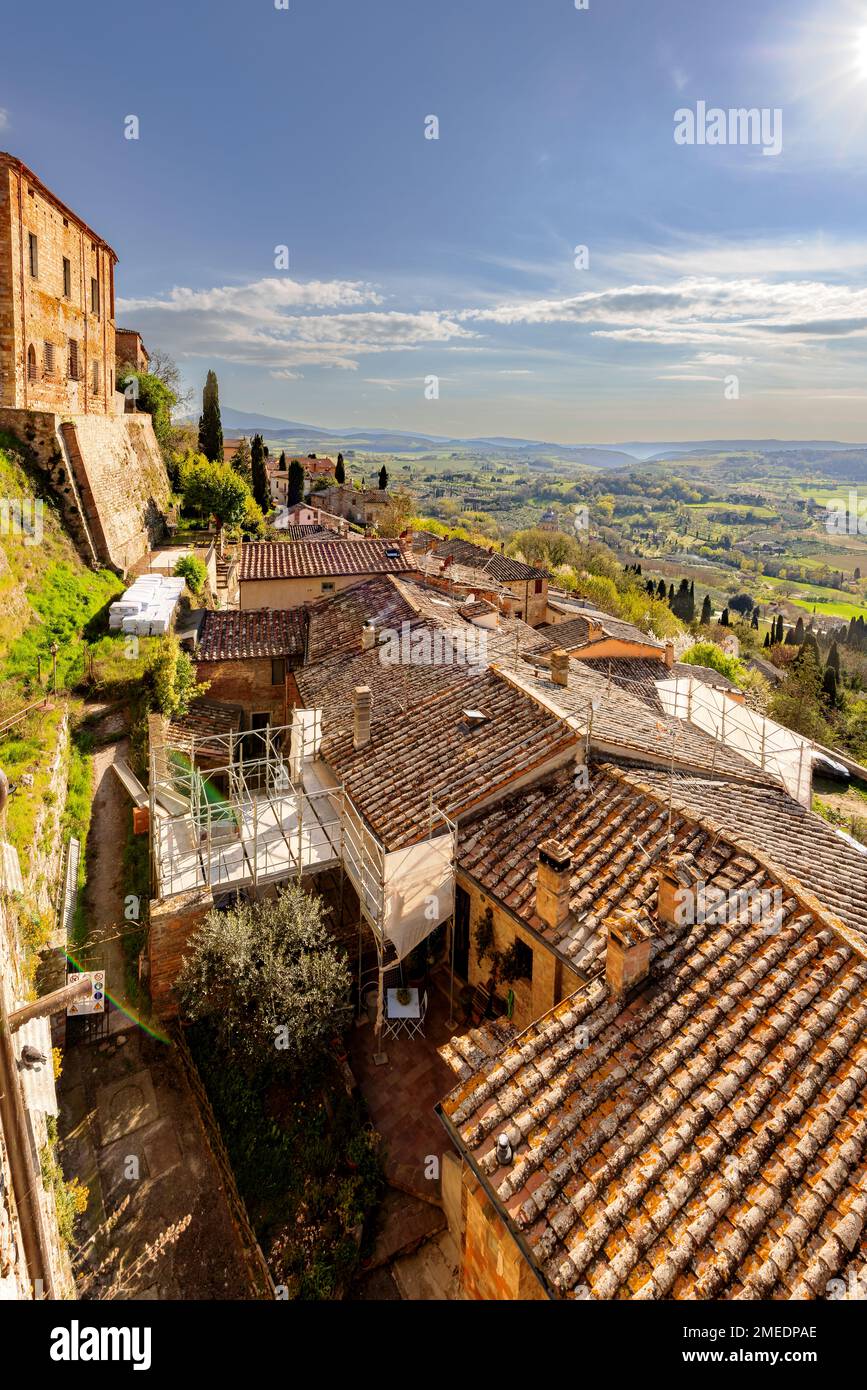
(105,890)
(129,1124)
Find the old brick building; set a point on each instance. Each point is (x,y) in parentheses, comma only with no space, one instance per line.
(57,336)
(58,374)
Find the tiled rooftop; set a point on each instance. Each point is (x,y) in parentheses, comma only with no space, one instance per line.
(434,754)
(232,635)
(283,560)
(498,566)
(708,1139)
(803,844)
(592,625)
(624,724)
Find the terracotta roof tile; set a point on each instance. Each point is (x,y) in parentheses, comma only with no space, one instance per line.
(232,635)
(283,560)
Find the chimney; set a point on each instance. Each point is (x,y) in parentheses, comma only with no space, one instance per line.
(368,637)
(361,716)
(560,666)
(553,882)
(669,654)
(627,958)
(678,878)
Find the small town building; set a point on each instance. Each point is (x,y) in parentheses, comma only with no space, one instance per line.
(281,574)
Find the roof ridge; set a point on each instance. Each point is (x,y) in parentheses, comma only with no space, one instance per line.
(787,880)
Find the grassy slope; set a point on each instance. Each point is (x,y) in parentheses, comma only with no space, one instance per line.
(47,594)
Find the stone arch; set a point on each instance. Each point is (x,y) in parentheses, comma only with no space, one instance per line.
(31,364)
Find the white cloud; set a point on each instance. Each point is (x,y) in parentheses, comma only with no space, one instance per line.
(260,323)
(4,119)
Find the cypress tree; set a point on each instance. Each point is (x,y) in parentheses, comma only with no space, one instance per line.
(724,618)
(261,490)
(660,589)
(767,641)
(706,610)
(295,484)
(210,424)
(799,632)
(833,662)
(755,622)
(383,478)
(829,685)
(340,471)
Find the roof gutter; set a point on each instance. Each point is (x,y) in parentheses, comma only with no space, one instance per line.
(501,1210)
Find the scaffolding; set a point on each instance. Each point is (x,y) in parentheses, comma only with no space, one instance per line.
(243,810)
(787,756)
(225,812)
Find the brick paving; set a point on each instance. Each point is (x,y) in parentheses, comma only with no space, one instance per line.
(401,1095)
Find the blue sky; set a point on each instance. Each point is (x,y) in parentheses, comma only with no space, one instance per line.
(411,258)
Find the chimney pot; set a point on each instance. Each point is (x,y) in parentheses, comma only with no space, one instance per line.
(678,877)
(553,882)
(669,654)
(361,716)
(560,666)
(627,957)
(368,637)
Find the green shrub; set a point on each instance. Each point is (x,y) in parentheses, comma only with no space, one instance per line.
(194,571)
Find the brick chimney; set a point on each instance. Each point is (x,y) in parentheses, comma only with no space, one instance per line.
(669,655)
(553,882)
(368,637)
(560,667)
(627,958)
(678,878)
(361,716)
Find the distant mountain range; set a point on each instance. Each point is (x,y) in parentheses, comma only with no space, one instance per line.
(378,440)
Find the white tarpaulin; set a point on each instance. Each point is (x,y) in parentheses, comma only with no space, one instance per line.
(305,738)
(760,741)
(419,891)
(404,893)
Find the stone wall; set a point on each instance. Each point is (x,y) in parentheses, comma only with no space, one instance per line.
(551,981)
(247,683)
(54,307)
(172,923)
(493,1267)
(108,474)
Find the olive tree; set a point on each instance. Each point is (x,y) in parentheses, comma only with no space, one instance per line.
(269,978)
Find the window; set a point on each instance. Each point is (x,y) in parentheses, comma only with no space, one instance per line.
(278,670)
(94,378)
(32,374)
(67,278)
(33,244)
(94,295)
(73,360)
(327,586)
(48,358)
(521,960)
(538,587)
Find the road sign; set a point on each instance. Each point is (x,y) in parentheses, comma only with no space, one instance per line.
(94,1003)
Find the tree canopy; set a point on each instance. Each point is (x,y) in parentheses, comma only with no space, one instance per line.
(270,978)
(210,424)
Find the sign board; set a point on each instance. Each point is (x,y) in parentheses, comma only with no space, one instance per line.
(95,1002)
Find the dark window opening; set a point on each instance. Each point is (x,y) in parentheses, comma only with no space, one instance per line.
(67,278)
(278,670)
(538,588)
(94,296)
(33,244)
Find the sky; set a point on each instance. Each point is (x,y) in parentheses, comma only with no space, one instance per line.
(434,284)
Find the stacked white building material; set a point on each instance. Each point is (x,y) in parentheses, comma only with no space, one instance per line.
(148,606)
